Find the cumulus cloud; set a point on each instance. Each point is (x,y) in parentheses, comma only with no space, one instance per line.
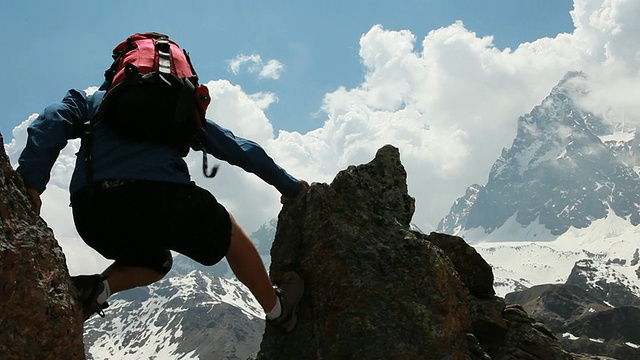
(449,105)
(610,36)
(272,70)
(254,65)
(452,106)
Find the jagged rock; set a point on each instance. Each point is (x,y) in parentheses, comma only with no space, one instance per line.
(605,283)
(505,332)
(556,304)
(609,332)
(38,317)
(487,321)
(528,339)
(582,321)
(474,271)
(375,289)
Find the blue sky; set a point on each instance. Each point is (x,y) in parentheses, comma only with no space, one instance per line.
(51,46)
(323,85)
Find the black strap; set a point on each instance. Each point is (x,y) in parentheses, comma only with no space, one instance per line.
(193,70)
(87,141)
(186,107)
(205,162)
(110,73)
(205,166)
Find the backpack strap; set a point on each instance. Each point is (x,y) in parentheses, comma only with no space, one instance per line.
(164,55)
(205,166)
(87,142)
(186,102)
(193,70)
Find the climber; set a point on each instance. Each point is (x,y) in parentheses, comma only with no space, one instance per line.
(132,197)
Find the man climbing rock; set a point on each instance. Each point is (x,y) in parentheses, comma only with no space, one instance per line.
(132,196)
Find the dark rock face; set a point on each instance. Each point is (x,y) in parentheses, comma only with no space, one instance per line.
(590,357)
(375,289)
(474,271)
(38,317)
(608,332)
(527,339)
(609,286)
(503,331)
(556,305)
(585,323)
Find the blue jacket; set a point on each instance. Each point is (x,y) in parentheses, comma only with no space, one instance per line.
(115,157)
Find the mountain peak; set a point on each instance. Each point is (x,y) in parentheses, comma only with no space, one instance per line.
(558,173)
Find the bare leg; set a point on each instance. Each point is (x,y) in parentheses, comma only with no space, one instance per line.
(246,264)
(127,277)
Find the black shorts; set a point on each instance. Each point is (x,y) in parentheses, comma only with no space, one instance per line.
(138,222)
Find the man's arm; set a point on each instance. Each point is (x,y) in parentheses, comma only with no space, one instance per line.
(250,156)
(47,135)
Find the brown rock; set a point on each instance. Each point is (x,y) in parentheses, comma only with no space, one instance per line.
(38,317)
(374,290)
(474,271)
(377,290)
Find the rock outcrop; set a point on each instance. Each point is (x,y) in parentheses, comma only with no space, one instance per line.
(604,283)
(377,290)
(584,320)
(38,317)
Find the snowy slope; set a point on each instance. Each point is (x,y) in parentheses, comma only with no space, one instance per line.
(542,262)
(173,317)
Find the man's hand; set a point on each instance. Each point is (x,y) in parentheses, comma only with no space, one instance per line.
(34,197)
(303,187)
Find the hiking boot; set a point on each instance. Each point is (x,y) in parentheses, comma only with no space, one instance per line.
(289,290)
(88,287)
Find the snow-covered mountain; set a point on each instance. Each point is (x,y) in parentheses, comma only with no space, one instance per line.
(567,190)
(194,316)
(195,312)
(566,168)
(263,238)
(609,243)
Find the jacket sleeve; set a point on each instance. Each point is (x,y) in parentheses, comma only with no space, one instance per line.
(47,135)
(248,155)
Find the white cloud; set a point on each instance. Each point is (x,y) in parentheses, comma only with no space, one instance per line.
(254,65)
(252,60)
(272,70)
(609,32)
(232,108)
(450,107)
(453,106)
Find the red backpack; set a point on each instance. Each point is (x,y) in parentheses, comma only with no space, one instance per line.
(153,95)
(154,92)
